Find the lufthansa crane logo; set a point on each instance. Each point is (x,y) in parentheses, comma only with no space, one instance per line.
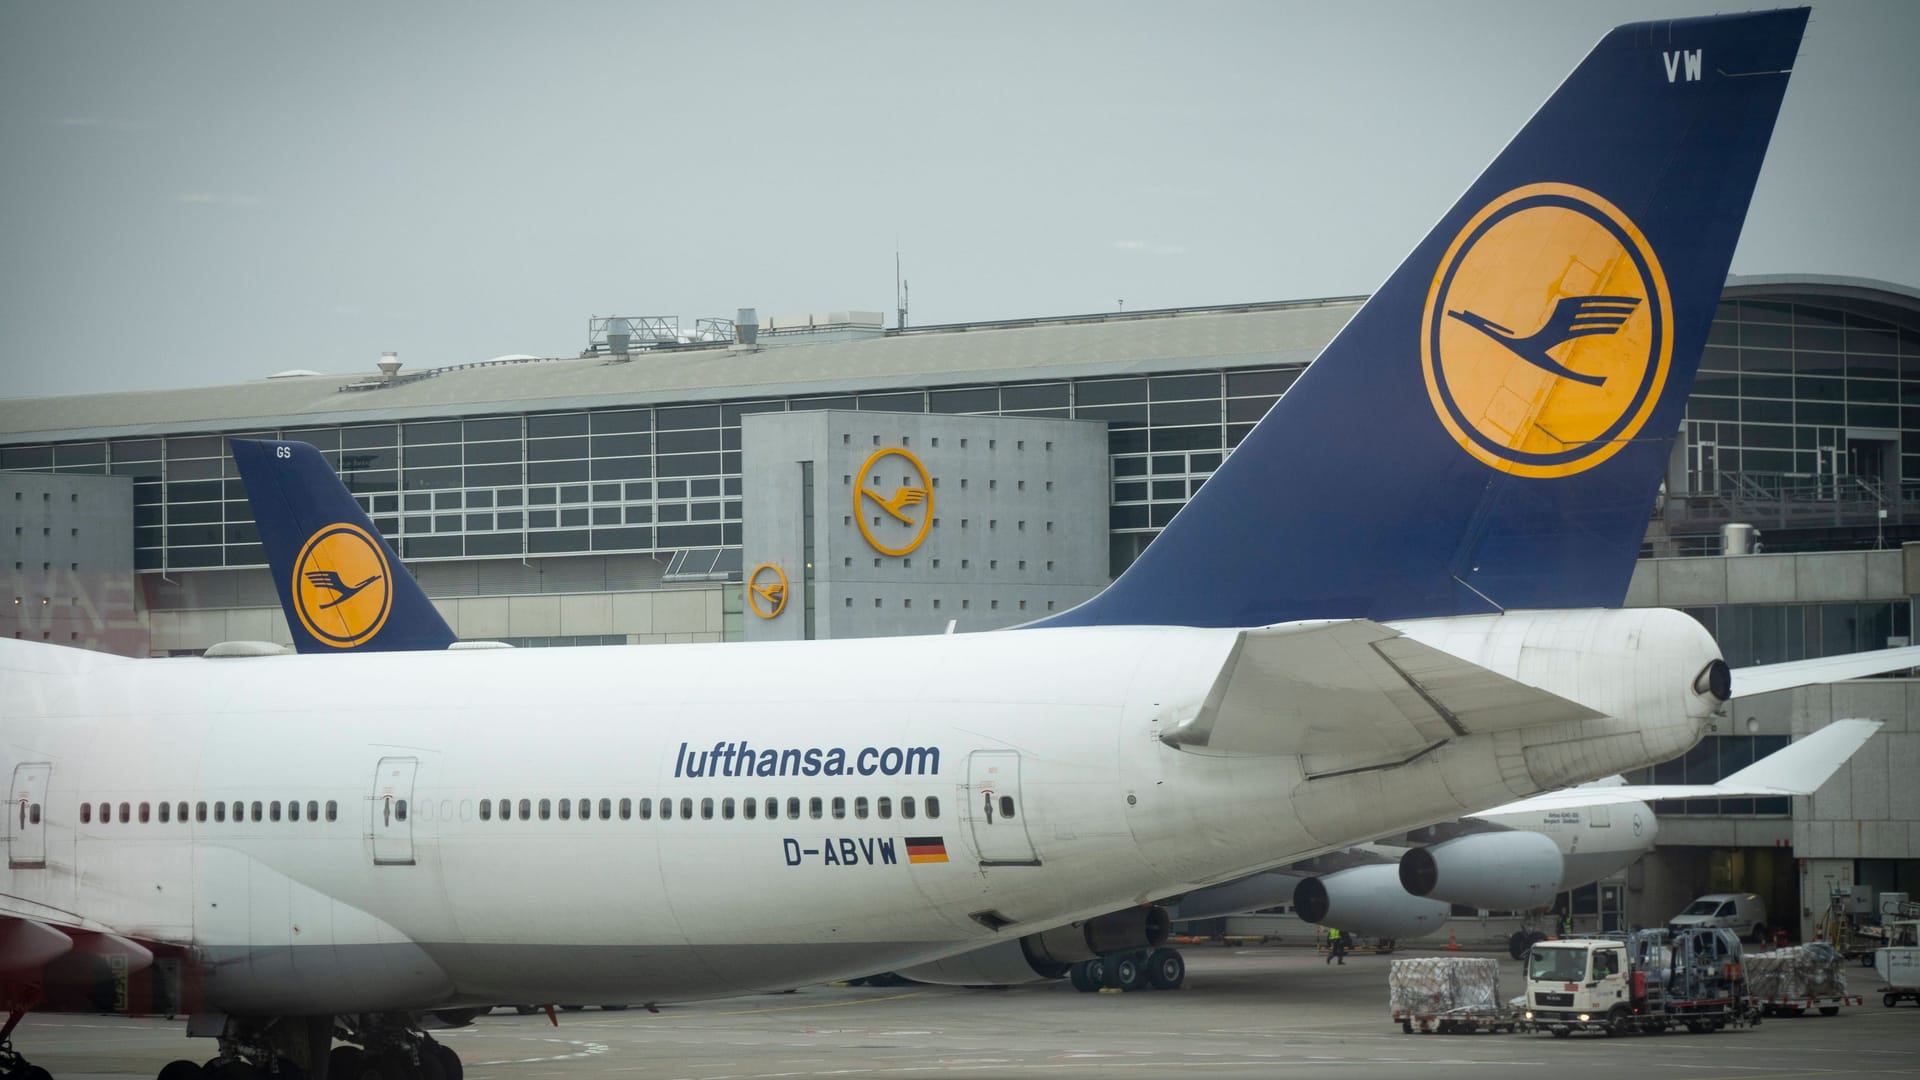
(1548,332)
(342,585)
(909,504)
(767,590)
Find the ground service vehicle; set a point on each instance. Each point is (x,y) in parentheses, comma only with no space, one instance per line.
(1654,980)
(1900,968)
(1743,913)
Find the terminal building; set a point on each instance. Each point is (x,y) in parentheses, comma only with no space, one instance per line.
(824,476)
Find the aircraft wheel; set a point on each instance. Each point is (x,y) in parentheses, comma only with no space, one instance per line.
(1167,969)
(430,1067)
(224,1069)
(1127,974)
(182,1070)
(33,1072)
(345,1063)
(1081,978)
(1097,971)
(449,1061)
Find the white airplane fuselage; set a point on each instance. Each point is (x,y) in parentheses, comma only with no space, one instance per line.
(439,903)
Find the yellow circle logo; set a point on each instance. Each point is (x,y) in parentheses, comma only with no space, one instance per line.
(1548,332)
(342,585)
(910,505)
(769,583)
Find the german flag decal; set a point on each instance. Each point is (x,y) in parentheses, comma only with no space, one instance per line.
(926,849)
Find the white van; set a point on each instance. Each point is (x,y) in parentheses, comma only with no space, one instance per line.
(1743,913)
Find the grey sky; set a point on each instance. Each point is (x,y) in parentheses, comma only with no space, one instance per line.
(207,192)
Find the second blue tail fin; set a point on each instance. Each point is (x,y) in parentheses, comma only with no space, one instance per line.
(1489,431)
(341,585)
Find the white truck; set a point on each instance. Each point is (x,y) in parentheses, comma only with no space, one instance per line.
(1649,981)
(1900,967)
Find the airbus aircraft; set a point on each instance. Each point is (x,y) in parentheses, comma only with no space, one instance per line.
(1515,857)
(290,848)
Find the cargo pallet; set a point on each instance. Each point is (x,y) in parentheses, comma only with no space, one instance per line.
(1457,1022)
(1828,1005)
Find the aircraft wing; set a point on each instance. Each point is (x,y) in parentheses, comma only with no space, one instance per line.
(1798,769)
(1354,694)
(1766,678)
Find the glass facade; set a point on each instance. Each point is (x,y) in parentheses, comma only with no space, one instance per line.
(1750,634)
(1796,395)
(655,480)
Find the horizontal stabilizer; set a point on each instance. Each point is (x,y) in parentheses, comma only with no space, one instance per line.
(1355,694)
(1797,769)
(1766,678)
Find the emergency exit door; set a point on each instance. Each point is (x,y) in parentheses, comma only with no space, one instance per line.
(996,811)
(392,811)
(27,817)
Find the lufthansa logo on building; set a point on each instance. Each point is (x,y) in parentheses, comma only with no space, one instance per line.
(767,590)
(909,504)
(1548,332)
(342,585)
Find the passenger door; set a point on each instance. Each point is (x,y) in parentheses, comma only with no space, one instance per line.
(392,811)
(995,811)
(27,817)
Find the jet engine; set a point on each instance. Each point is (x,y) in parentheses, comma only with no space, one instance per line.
(1368,901)
(1046,955)
(1501,871)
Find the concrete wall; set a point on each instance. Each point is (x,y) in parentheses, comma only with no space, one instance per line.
(66,562)
(1018,520)
(1816,577)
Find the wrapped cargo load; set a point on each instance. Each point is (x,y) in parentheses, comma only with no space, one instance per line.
(1815,970)
(1438,985)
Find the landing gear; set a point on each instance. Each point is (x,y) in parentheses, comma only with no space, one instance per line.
(377,1046)
(1134,969)
(12,1065)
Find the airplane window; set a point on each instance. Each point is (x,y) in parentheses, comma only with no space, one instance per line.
(126,813)
(106,813)
(293,809)
(666,809)
(906,806)
(646,809)
(219,811)
(626,809)
(885,807)
(606,810)
(33,813)
(750,807)
(313,810)
(146,813)
(686,809)
(706,809)
(181,813)
(726,809)
(239,811)
(199,812)
(399,809)
(1006,807)
(566,809)
(793,808)
(772,808)
(814,807)
(586,809)
(839,807)
(86,813)
(486,809)
(860,806)
(273,810)
(546,809)
(256,810)
(333,810)
(933,806)
(166,813)
(526,809)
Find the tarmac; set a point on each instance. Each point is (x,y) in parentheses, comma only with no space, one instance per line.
(1245,1012)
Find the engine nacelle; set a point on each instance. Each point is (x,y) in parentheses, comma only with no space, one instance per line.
(1048,954)
(1369,902)
(1503,871)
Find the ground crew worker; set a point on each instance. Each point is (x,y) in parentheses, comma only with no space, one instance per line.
(1339,943)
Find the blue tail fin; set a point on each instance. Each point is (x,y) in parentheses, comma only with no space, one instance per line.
(1489,431)
(340,584)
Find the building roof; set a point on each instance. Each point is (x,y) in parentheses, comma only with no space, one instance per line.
(1254,335)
